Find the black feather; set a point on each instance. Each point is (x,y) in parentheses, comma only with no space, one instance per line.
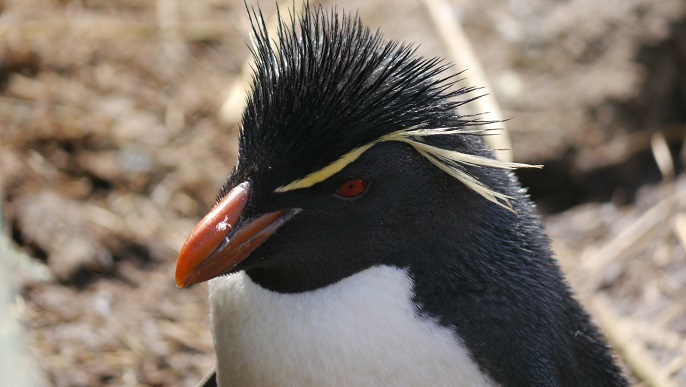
(326,85)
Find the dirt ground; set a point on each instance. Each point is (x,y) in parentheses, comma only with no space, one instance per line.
(113,143)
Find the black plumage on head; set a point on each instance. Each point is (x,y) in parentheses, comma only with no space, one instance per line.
(326,85)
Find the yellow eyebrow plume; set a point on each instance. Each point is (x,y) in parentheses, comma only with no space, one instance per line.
(448,161)
(326,172)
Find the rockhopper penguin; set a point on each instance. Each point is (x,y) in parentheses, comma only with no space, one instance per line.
(368,237)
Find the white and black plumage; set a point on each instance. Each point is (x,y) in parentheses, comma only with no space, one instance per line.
(405,254)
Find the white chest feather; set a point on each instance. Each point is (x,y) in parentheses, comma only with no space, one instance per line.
(361,331)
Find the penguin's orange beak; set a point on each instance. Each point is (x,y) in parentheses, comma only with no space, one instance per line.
(216,244)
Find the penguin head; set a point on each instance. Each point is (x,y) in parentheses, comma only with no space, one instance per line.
(351,154)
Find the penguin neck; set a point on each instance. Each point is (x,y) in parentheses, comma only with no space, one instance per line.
(493,280)
(362,330)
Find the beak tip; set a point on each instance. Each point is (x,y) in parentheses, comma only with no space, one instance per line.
(180,282)
(183,277)
(208,235)
(179,277)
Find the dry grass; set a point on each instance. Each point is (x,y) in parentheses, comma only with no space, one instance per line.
(630,271)
(112,146)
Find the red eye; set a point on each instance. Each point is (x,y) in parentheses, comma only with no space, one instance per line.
(351,189)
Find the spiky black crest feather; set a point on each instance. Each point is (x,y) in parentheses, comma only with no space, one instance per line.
(326,85)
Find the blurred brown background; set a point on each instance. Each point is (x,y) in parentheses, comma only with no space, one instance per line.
(112,146)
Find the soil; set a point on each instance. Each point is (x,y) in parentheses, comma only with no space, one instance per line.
(113,143)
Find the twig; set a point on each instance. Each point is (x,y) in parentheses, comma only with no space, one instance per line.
(627,238)
(679,226)
(450,30)
(232,108)
(632,351)
(629,337)
(675,365)
(622,148)
(654,335)
(170,30)
(234,100)
(662,155)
